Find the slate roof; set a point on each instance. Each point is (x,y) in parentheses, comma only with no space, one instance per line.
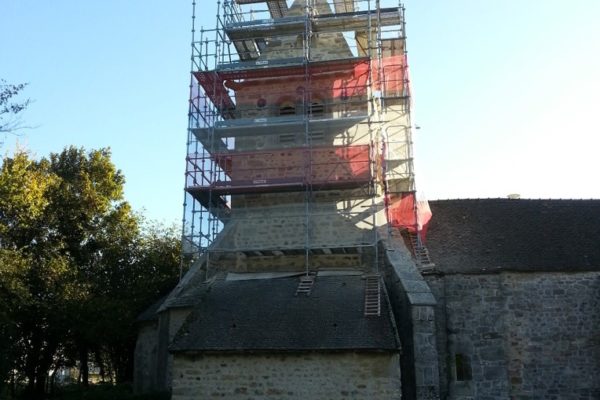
(150,313)
(510,234)
(264,315)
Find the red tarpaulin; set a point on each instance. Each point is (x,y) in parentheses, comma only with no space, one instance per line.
(344,78)
(404,211)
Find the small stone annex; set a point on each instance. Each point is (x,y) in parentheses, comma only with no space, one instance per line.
(312,269)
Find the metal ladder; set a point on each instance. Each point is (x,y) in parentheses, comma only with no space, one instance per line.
(421,253)
(306,284)
(372,295)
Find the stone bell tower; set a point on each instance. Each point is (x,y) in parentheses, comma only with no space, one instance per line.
(299,145)
(298,172)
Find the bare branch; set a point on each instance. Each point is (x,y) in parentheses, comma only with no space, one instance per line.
(9,109)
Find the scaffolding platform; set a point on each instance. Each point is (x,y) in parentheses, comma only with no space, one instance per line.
(280,125)
(215,204)
(339,22)
(216,92)
(284,67)
(223,188)
(277,8)
(287,169)
(211,138)
(317,250)
(209,142)
(248,49)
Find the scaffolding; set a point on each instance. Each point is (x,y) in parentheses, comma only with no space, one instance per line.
(299,136)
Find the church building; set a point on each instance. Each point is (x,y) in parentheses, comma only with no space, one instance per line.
(313,271)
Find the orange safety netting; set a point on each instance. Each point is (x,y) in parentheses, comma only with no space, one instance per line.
(404,211)
(333,80)
(393,71)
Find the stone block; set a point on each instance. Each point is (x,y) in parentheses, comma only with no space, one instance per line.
(421,299)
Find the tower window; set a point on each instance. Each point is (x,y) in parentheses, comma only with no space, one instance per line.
(316,136)
(287,138)
(317,108)
(463,367)
(287,109)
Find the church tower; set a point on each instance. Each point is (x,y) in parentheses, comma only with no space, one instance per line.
(299,178)
(299,145)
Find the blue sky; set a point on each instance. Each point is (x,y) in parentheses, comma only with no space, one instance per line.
(506,93)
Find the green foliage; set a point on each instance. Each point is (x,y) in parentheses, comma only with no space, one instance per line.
(76,265)
(13,294)
(28,270)
(24,189)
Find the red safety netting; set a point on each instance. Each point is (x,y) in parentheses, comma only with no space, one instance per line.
(335,80)
(392,80)
(405,211)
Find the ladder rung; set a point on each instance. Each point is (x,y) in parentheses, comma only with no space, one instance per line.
(372,296)
(306,284)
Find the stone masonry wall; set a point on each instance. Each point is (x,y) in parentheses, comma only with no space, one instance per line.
(145,358)
(290,376)
(169,323)
(414,310)
(285,227)
(521,335)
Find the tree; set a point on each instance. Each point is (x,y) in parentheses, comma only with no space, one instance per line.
(132,277)
(76,266)
(12,295)
(52,213)
(88,213)
(9,109)
(22,202)
(34,277)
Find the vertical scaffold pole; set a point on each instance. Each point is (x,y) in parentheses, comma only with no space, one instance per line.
(184,240)
(306,94)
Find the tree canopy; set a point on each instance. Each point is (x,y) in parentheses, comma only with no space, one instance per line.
(76,267)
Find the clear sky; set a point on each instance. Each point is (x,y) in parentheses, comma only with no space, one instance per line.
(506,93)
